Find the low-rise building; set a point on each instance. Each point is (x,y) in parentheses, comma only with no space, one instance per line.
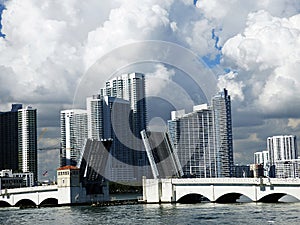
(256,170)
(287,168)
(8,179)
(241,171)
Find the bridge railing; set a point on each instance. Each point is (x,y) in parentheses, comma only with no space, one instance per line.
(29,189)
(233,180)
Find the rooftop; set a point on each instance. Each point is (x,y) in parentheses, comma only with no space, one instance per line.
(68,168)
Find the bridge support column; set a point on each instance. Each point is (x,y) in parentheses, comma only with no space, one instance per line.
(255,193)
(152,190)
(213,199)
(167,191)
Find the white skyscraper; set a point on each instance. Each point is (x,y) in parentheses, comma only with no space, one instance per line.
(73,134)
(131,87)
(282,147)
(262,158)
(27,138)
(109,118)
(283,155)
(96,118)
(203,138)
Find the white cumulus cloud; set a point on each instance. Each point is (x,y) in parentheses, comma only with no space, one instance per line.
(267,55)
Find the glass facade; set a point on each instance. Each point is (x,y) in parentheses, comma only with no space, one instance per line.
(221,106)
(9,138)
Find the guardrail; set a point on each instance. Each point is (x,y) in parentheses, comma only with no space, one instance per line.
(252,181)
(29,189)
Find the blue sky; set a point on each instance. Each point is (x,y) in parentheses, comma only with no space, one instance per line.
(1,9)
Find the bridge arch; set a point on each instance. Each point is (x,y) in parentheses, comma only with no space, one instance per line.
(192,198)
(229,197)
(4,204)
(289,198)
(233,197)
(272,198)
(49,202)
(25,203)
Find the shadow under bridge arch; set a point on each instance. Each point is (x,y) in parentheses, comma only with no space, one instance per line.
(233,197)
(4,204)
(272,198)
(192,198)
(49,202)
(25,203)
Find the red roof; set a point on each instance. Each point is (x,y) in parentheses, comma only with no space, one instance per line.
(68,168)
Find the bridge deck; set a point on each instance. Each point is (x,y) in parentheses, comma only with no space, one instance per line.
(29,189)
(236,181)
(220,189)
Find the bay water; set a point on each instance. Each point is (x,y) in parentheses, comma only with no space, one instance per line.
(201,213)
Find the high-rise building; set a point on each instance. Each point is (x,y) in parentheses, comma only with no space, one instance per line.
(131,88)
(195,142)
(262,158)
(283,156)
(221,106)
(74,132)
(282,147)
(109,118)
(9,138)
(27,140)
(203,138)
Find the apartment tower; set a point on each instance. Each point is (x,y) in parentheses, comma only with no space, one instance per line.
(27,140)
(74,132)
(203,138)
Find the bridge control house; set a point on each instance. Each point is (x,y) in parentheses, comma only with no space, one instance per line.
(75,185)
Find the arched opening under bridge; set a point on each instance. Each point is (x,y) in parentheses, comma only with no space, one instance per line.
(25,203)
(49,202)
(288,198)
(229,198)
(4,204)
(272,198)
(192,198)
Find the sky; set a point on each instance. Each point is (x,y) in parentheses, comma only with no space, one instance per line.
(50,50)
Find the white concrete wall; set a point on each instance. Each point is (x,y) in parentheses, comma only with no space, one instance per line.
(64,195)
(166,191)
(151,191)
(171,190)
(35,194)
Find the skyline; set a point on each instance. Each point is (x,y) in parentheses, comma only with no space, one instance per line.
(46,51)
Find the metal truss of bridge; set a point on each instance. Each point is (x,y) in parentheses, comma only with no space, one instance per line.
(220,190)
